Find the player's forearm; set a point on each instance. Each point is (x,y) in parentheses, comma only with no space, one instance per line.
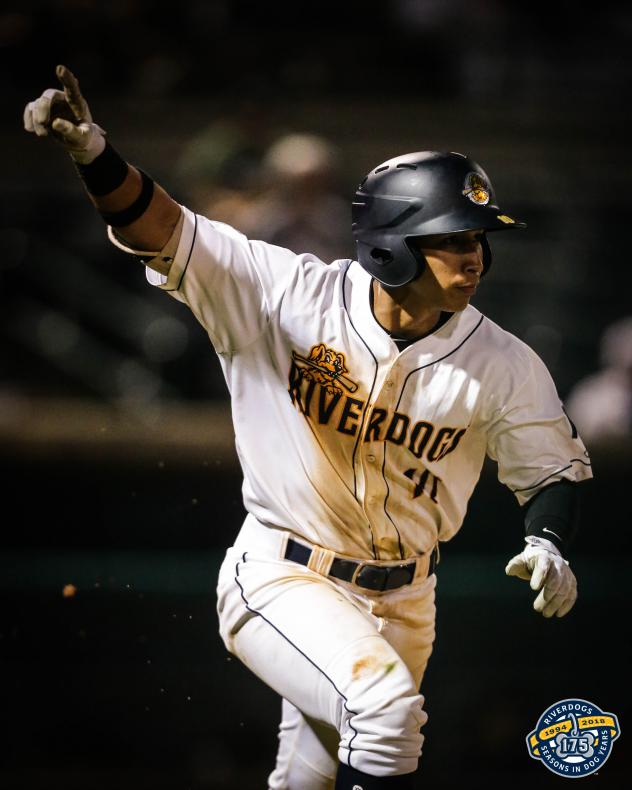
(553,514)
(144,219)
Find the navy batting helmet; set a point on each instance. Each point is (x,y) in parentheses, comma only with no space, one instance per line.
(421,194)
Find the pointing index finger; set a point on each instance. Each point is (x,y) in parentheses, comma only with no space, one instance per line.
(71,89)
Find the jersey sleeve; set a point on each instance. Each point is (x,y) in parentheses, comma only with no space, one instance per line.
(231,284)
(530,436)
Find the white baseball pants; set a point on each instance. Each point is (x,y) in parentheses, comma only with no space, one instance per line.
(347,661)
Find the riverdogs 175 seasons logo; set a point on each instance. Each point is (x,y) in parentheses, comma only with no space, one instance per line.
(573,738)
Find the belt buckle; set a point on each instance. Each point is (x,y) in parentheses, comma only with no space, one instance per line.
(385,577)
(399,575)
(373,577)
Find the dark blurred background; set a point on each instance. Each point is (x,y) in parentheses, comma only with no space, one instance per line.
(121,487)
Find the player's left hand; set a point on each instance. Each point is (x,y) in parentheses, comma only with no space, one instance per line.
(544,567)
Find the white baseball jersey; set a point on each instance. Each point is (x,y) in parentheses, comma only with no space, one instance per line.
(343,440)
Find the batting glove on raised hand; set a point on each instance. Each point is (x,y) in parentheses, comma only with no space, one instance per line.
(67,116)
(544,567)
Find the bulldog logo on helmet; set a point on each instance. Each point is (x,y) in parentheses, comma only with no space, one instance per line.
(476,189)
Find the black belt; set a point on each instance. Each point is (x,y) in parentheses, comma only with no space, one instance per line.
(373,577)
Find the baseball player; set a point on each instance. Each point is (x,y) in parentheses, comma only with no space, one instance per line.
(365,396)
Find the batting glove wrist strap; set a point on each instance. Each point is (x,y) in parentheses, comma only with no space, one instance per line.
(543,543)
(105,174)
(542,565)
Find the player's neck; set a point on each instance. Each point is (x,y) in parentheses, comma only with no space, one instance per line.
(403,318)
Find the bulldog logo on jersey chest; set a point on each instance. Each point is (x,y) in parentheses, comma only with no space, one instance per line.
(325,367)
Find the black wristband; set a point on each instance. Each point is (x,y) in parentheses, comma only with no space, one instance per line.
(553,514)
(130,214)
(105,174)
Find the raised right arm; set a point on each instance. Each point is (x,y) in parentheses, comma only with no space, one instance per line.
(142,213)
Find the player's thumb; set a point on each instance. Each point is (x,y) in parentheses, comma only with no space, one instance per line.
(63,127)
(518,567)
(71,134)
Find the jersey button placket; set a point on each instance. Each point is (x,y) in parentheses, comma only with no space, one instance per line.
(374,490)
(376,482)
(370,471)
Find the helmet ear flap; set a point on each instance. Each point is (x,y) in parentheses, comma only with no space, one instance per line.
(381,256)
(418,256)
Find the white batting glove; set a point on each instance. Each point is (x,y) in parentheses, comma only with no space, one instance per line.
(544,567)
(67,116)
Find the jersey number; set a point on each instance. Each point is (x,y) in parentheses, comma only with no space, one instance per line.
(426,483)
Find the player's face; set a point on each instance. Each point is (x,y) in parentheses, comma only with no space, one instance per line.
(453,271)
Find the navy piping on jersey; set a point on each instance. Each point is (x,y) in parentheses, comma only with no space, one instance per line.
(306,657)
(361,427)
(186,265)
(399,400)
(557,472)
(434,362)
(388,515)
